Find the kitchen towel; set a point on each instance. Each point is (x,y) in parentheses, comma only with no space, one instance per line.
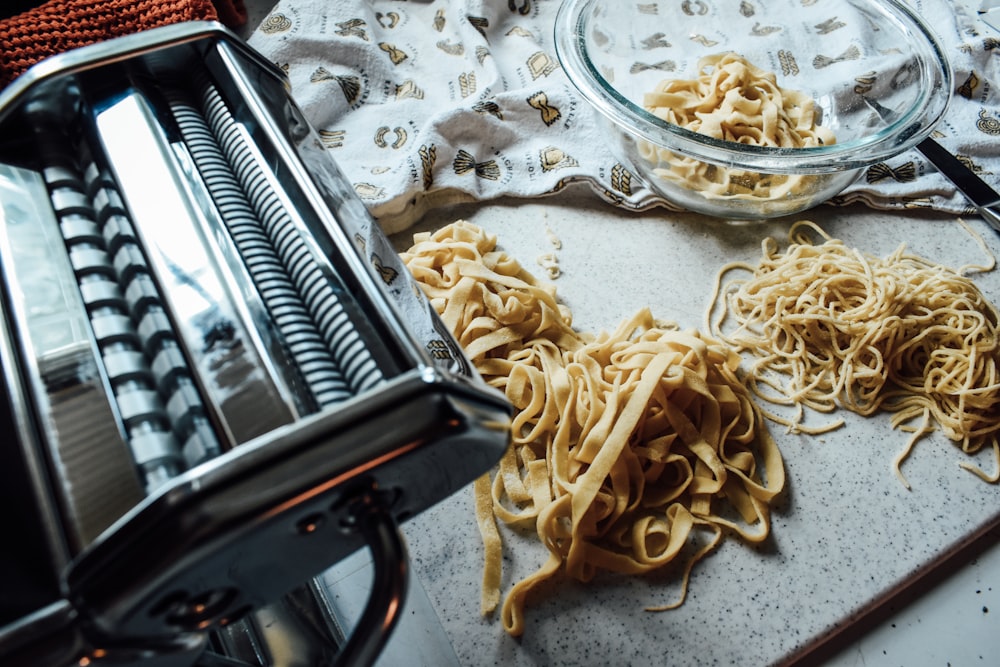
(57,26)
(429,102)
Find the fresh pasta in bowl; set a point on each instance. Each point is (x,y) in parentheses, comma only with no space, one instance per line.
(751,110)
(733,100)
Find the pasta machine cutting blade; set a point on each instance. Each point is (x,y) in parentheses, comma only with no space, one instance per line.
(218,378)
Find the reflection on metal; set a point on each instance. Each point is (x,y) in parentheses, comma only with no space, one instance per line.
(249,398)
(222,379)
(82,433)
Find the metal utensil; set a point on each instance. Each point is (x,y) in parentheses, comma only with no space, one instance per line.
(976,190)
(983,197)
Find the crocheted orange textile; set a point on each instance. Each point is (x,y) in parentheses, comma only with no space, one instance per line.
(61,25)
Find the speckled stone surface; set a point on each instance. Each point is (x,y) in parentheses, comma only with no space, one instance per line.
(846,535)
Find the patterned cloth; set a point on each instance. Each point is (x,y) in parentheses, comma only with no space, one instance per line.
(429,102)
(61,25)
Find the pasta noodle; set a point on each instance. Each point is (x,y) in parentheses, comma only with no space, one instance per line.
(829,326)
(624,444)
(733,100)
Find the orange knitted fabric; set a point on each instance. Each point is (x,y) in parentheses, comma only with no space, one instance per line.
(61,25)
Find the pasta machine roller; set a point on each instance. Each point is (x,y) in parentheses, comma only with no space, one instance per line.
(218,378)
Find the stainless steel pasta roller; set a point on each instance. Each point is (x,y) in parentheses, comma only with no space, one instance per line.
(218,378)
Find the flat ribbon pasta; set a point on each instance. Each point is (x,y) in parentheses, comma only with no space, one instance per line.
(735,101)
(624,443)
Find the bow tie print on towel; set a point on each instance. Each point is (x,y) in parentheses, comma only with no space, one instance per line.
(428,103)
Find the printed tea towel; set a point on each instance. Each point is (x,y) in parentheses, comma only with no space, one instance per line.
(429,102)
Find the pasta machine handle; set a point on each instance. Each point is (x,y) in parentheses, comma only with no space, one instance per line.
(58,636)
(389,583)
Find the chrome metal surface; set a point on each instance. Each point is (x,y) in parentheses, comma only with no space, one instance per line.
(213,358)
(81,434)
(211,308)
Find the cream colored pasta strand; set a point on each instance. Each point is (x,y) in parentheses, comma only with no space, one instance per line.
(829,326)
(620,447)
(733,100)
(492,546)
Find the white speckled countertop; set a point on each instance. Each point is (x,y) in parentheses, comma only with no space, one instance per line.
(847,537)
(859,571)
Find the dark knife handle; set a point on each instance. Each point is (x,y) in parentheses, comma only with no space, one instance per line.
(968,183)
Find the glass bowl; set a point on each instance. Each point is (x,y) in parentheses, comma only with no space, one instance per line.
(870,72)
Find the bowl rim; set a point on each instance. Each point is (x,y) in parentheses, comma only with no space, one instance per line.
(901,133)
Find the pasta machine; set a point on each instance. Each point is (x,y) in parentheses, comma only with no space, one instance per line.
(218,377)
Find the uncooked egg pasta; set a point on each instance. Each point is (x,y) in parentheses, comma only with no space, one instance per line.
(626,445)
(829,326)
(733,100)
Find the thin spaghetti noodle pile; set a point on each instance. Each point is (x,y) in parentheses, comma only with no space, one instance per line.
(829,326)
(624,445)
